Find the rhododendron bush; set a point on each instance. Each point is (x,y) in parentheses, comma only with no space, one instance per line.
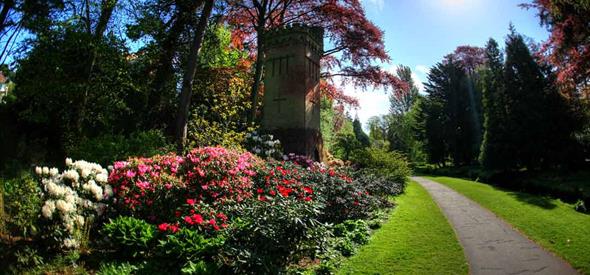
(73,199)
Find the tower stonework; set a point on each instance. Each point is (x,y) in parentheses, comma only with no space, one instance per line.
(291,88)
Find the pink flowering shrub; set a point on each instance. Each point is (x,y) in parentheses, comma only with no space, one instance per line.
(216,175)
(147,187)
(191,191)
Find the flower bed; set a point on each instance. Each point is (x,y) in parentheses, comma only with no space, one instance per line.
(212,210)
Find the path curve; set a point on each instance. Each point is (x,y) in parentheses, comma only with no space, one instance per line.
(490,244)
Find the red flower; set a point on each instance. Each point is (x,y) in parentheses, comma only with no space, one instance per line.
(190,201)
(307,198)
(272,192)
(212,222)
(188,220)
(163,227)
(259,191)
(197,218)
(308,189)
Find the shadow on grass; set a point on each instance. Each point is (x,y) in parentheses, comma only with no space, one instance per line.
(537,200)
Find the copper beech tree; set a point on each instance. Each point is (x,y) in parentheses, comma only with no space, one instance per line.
(568,46)
(356,42)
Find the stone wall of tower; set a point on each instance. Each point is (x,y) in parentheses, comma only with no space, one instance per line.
(291,88)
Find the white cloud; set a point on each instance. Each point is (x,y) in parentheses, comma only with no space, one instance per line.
(422,68)
(418,82)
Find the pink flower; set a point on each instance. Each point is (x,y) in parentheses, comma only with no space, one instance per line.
(142,169)
(130,174)
(212,222)
(119,164)
(188,220)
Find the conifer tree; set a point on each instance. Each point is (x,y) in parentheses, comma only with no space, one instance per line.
(360,135)
(493,152)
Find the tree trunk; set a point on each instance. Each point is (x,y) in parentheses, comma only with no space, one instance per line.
(189,75)
(164,70)
(106,7)
(260,30)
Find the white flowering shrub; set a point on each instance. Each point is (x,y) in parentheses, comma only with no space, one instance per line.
(72,201)
(264,145)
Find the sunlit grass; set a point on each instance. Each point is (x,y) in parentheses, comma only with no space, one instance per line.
(417,239)
(550,222)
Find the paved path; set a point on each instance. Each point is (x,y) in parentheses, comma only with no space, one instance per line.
(490,244)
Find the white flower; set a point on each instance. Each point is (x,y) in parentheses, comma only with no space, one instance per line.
(79,220)
(268,152)
(102,178)
(110,167)
(63,206)
(53,189)
(285,157)
(38,170)
(270,136)
(70,198)
(48,209)
(68,161)
(45,170)
(70,243)
(257,150)
(84,172)
(71,175)
(53,172)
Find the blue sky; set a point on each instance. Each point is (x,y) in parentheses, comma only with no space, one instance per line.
(419,33)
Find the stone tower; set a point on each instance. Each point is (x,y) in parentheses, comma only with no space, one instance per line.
(291,88)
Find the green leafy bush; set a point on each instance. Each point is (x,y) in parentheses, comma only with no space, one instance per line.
(189,245)
(114,268)
(22,205)
(268,236)
(130,235)
(391,165)
(108,148)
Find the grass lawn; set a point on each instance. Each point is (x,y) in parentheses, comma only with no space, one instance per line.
(417,239)
(550,222)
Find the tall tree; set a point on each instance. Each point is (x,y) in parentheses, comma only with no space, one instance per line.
(360,135)
(357,41)
(449,122)
(494,150)
(189,75)
(400,101)
(568,46)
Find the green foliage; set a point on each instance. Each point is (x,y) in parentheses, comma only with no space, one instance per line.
(360,135)
(450,115)
(130,236)
(268,236)
(493,150)
(327,121)
(219,108)
(391,165)
(106,149)
(524,112)
(345,144)
(22,205)
(114,268)
(216,51)
(69,87)
(189,245)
